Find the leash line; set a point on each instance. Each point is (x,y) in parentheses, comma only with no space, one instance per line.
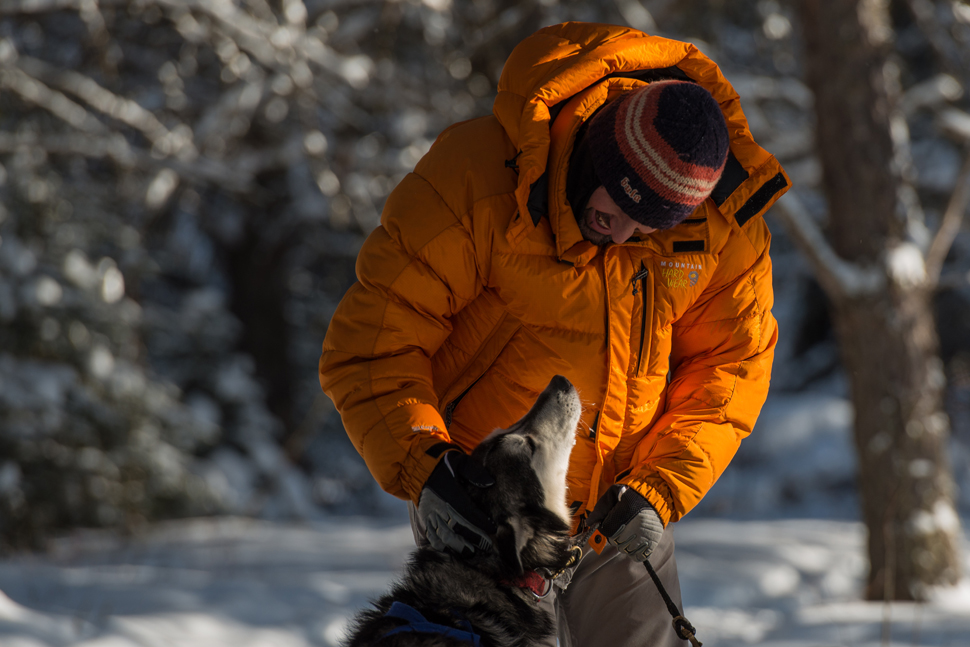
(682,625)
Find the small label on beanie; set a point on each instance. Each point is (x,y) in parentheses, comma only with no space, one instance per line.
(630,191)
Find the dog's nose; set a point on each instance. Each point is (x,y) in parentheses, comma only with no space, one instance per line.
(559,383)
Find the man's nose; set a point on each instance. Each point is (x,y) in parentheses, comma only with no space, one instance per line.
(621,228)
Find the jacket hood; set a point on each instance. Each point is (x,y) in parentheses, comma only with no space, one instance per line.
(556,78)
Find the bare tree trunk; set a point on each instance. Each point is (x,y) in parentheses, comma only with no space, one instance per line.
(887,334)
(259,290)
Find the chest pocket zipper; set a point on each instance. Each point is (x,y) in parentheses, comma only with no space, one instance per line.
(639,283)
(450,408)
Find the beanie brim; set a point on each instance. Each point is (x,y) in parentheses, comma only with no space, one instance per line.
(660,151)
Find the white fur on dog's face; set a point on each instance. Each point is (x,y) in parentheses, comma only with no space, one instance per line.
(552,453)
(550,431)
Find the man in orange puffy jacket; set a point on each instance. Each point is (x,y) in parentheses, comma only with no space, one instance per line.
(605,224)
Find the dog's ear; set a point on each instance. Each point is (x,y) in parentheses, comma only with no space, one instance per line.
(511,539)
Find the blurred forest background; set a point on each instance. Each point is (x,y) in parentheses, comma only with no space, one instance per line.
(184,186)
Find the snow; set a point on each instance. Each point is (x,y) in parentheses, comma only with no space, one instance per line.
(225,581)
(240,582)
(905,264)
(773,556)
(943,518)
(798,460)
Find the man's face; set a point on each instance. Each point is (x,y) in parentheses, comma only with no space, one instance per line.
(603,222)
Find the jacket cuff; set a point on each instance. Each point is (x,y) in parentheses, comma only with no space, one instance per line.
(656,492)
(423,431)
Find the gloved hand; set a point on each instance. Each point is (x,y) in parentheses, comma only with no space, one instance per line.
(451,519)
(628,521)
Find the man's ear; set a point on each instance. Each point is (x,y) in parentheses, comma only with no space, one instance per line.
(511,540)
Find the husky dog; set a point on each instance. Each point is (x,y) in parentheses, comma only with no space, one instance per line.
(492,599)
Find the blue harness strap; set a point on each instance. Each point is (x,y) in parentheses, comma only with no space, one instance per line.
(417,623)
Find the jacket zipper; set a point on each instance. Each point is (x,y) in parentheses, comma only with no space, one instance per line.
(451,406)
(639,282)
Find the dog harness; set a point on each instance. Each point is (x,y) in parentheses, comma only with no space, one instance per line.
(417,623)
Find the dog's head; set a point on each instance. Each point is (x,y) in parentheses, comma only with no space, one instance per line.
(529,461)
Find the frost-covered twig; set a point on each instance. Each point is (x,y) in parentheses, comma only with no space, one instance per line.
(636,15)
(16,7)
(113,146)
(838,277)
(954,55)
(287,50)
(755,88)
(791,144)
(239,101)
(90,13)
(955,122)
(933,93)
(249,34)
(950,224)
(112,105)
(33,91)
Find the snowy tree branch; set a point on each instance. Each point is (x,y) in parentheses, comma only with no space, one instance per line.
(115,148)
(15,7)
(56,103)
(950,224)
(955,122)
(954,56)
(840,278)
(932,94)
(124,110)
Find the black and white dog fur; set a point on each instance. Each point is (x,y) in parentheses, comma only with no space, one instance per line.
(482,596)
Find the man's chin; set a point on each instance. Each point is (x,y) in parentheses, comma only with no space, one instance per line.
(592,235)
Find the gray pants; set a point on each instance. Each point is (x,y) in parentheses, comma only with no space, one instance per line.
(611,599)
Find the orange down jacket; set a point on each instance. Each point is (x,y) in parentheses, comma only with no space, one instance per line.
(478,287)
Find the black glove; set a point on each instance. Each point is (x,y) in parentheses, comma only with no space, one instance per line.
(451,519)
(628,521)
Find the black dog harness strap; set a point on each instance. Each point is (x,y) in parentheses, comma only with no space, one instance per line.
(417,623)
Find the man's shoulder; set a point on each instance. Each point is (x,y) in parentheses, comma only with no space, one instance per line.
(470,161)
(485,128)
(731,237)
(735,247)
(479,144)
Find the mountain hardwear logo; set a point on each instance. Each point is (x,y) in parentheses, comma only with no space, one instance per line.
(679,275)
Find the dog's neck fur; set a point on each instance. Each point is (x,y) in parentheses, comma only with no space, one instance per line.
(435,580)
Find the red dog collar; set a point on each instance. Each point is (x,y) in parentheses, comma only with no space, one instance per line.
(535,583)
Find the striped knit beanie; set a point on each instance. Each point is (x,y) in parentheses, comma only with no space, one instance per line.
(659,150)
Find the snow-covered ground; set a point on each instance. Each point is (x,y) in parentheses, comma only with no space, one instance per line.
(773,556)
(239,582)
